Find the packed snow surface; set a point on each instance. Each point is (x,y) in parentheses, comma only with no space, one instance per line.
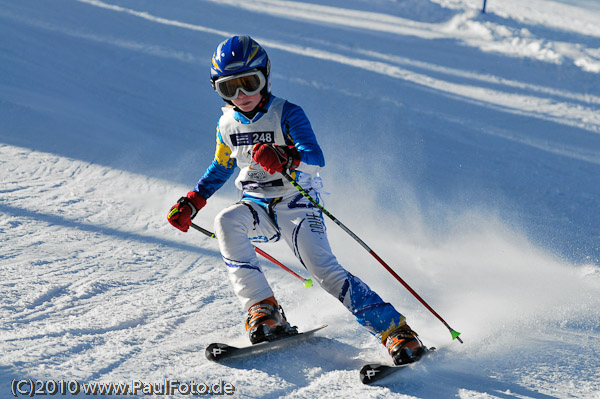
(463,147)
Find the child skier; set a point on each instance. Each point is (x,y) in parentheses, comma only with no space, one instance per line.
(264,135)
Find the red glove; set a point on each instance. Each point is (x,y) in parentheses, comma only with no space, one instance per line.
(276,158)
(182,213)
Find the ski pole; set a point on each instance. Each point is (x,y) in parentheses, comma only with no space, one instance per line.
(307,281)
(455,334)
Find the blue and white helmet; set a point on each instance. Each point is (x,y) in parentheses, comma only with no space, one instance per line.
(239,54)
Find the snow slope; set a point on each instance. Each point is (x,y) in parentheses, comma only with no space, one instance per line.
(463,148)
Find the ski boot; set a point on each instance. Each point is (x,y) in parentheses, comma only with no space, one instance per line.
(266,322)
(404,345)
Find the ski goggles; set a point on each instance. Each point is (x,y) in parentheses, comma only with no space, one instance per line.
(250,83)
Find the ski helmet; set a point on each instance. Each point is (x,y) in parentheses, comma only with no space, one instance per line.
(240,54)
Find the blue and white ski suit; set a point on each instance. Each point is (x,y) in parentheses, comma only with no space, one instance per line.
(272,209)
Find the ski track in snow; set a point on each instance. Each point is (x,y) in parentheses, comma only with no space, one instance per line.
(96,286)
(86,298)
(577,115)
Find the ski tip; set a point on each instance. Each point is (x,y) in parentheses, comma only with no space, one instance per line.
(215,352)
(369,372)
(308,283)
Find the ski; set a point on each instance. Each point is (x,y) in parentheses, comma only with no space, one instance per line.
(216,352)
(370,373)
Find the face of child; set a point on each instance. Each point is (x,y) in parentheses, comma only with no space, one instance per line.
(247,103)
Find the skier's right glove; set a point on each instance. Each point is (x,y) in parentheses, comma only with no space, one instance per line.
(276,158)
(182,213)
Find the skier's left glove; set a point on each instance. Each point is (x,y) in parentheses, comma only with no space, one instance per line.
(182,213)
(276,158)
